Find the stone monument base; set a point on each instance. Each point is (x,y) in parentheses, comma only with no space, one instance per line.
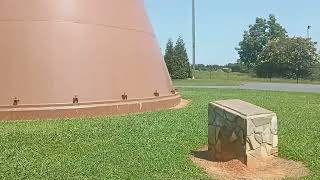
(238,129)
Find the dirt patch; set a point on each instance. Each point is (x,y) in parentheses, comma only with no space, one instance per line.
(266,168)
(184,103)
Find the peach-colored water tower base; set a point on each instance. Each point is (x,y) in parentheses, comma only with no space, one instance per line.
(89,110)
(74,58)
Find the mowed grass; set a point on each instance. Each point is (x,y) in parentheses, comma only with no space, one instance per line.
(149,146)
(203,78)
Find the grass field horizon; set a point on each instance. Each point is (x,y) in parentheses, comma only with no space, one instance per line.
(154,145)
(220,78)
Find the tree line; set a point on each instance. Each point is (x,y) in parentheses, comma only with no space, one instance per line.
(267,50)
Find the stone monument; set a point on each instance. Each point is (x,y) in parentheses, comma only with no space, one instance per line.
(238,129)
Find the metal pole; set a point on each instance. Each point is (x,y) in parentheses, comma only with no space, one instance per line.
(308,31)
(193,38)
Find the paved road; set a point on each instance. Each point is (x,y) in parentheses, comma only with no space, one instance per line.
(309,88)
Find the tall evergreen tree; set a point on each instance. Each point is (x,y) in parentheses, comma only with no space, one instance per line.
(168,57)
(181,66)
(177,60)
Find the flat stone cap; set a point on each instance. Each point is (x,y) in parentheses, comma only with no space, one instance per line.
(243,107)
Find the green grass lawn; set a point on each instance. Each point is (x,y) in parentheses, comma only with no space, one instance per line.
(203,78)
(148,146)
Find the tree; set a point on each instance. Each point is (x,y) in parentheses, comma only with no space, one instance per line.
(253,42)
(272,59)
(275,30)
(168,57)
(291,57)
(257,37)
(181,67)
(301,56)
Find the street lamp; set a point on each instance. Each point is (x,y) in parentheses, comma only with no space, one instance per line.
(308,31)
(193,38)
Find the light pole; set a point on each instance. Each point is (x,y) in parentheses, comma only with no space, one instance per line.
(193,38)
(308,31)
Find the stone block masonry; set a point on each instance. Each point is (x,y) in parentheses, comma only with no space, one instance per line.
(238,129)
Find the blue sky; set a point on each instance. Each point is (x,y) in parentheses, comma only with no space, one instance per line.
(220,24)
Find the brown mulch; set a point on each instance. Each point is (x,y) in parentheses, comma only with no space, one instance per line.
(264,168)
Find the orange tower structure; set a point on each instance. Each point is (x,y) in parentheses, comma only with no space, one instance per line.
(78,58)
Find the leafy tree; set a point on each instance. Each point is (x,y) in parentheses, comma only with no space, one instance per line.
(257,37)
(291,57)
(301,55)
(272,59)
(253,42)
(168,57)
(275,30)
(181,67)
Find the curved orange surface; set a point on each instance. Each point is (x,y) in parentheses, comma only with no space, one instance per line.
(52,51)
